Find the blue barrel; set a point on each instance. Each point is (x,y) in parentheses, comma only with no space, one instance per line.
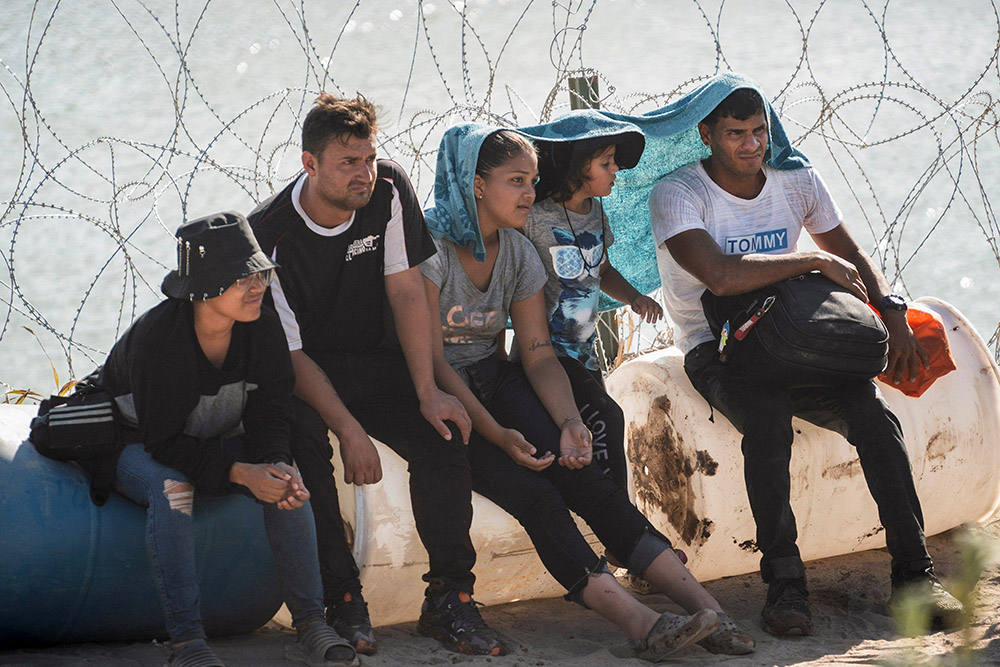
(72,572)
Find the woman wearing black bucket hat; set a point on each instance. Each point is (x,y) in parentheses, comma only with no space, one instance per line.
(203,383)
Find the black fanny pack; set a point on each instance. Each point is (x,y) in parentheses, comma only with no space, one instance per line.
(806,331)
(78,427)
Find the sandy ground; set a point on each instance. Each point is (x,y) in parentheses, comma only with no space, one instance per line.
(851,626)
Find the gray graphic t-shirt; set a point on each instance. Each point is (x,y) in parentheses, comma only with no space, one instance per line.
(572,247)
(471,319)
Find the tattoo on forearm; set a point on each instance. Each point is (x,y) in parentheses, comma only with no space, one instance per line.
(538,344)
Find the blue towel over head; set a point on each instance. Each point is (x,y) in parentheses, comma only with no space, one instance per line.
(453,215)
(672,140)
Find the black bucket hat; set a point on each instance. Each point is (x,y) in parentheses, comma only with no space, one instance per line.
(213,253)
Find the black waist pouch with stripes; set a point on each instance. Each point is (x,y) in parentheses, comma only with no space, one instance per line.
(78,427)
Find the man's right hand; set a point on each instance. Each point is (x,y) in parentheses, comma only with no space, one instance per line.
(360,458)
(361,461)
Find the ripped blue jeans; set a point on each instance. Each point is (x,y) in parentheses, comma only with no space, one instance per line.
(170,506)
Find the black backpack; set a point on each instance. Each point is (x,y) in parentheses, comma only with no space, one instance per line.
(806,331)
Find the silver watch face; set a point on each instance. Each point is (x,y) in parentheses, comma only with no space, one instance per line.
(893,302)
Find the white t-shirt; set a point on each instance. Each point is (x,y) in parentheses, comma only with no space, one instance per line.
(771,222)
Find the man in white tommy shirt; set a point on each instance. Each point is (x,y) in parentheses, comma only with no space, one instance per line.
(348,236)
(730,224)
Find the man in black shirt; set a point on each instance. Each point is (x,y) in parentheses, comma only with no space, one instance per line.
(349,235)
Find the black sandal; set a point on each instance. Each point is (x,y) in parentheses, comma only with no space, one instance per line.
(319,645)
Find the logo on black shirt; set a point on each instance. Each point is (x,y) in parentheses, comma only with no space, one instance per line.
(361,246)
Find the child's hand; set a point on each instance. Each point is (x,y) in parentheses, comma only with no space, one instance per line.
(647,308)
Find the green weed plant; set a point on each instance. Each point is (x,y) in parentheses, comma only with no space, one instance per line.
(978,552)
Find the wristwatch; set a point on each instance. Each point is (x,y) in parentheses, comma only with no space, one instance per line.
(892,302)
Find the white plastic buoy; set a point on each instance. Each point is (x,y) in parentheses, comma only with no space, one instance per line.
(687,472)
(686,476)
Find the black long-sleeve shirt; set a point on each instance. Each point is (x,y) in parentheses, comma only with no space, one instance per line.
(175,402)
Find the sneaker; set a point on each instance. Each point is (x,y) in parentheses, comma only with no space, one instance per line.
(194,653)
(925,590)
(319,645)
(672,632)
(454,621)
(349,617)
(786,610)
(728,639)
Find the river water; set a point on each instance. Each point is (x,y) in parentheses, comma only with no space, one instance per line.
(120,119)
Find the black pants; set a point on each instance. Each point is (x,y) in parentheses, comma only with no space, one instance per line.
(855,410)
(604,418)
(541,501)
(378,391)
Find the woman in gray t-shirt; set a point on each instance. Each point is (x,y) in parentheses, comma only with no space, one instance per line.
(530,452)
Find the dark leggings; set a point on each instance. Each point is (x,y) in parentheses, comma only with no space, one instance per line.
(603,416)
(541,501)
